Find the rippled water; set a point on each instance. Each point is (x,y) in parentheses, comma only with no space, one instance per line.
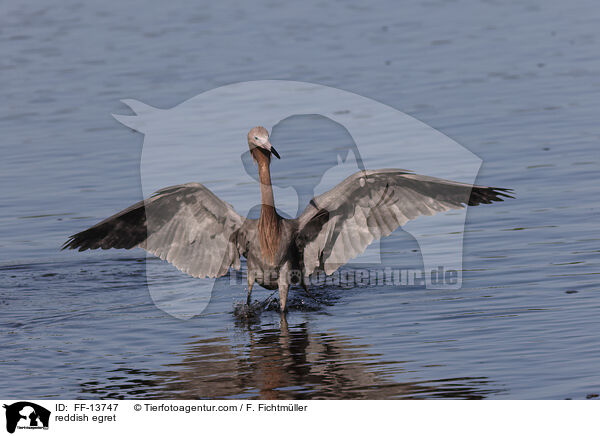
(517,84)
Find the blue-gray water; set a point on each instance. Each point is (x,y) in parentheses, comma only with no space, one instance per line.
(516,83)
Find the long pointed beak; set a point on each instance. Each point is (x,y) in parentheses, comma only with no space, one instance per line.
(272,150)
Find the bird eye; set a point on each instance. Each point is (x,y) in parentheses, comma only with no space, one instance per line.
(256,137)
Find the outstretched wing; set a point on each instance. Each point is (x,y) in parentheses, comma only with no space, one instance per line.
(339,224)
(186,225)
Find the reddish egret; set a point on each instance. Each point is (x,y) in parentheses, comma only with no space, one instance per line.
(203,236)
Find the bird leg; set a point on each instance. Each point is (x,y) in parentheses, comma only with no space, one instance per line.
(283,293)
(283,283)
(305,287)
(250,284)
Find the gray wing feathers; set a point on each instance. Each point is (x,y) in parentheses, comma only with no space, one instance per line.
(339,225)
(186,225)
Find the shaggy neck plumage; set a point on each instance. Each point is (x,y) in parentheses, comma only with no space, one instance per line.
(269,221)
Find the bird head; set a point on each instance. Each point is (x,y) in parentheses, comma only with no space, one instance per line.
(258,140)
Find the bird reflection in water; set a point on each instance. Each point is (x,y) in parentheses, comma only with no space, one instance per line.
(279,362)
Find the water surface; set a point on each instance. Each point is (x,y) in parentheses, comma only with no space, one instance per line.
(515,83)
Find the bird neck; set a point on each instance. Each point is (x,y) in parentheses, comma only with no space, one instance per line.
(266,189)
(269,221)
